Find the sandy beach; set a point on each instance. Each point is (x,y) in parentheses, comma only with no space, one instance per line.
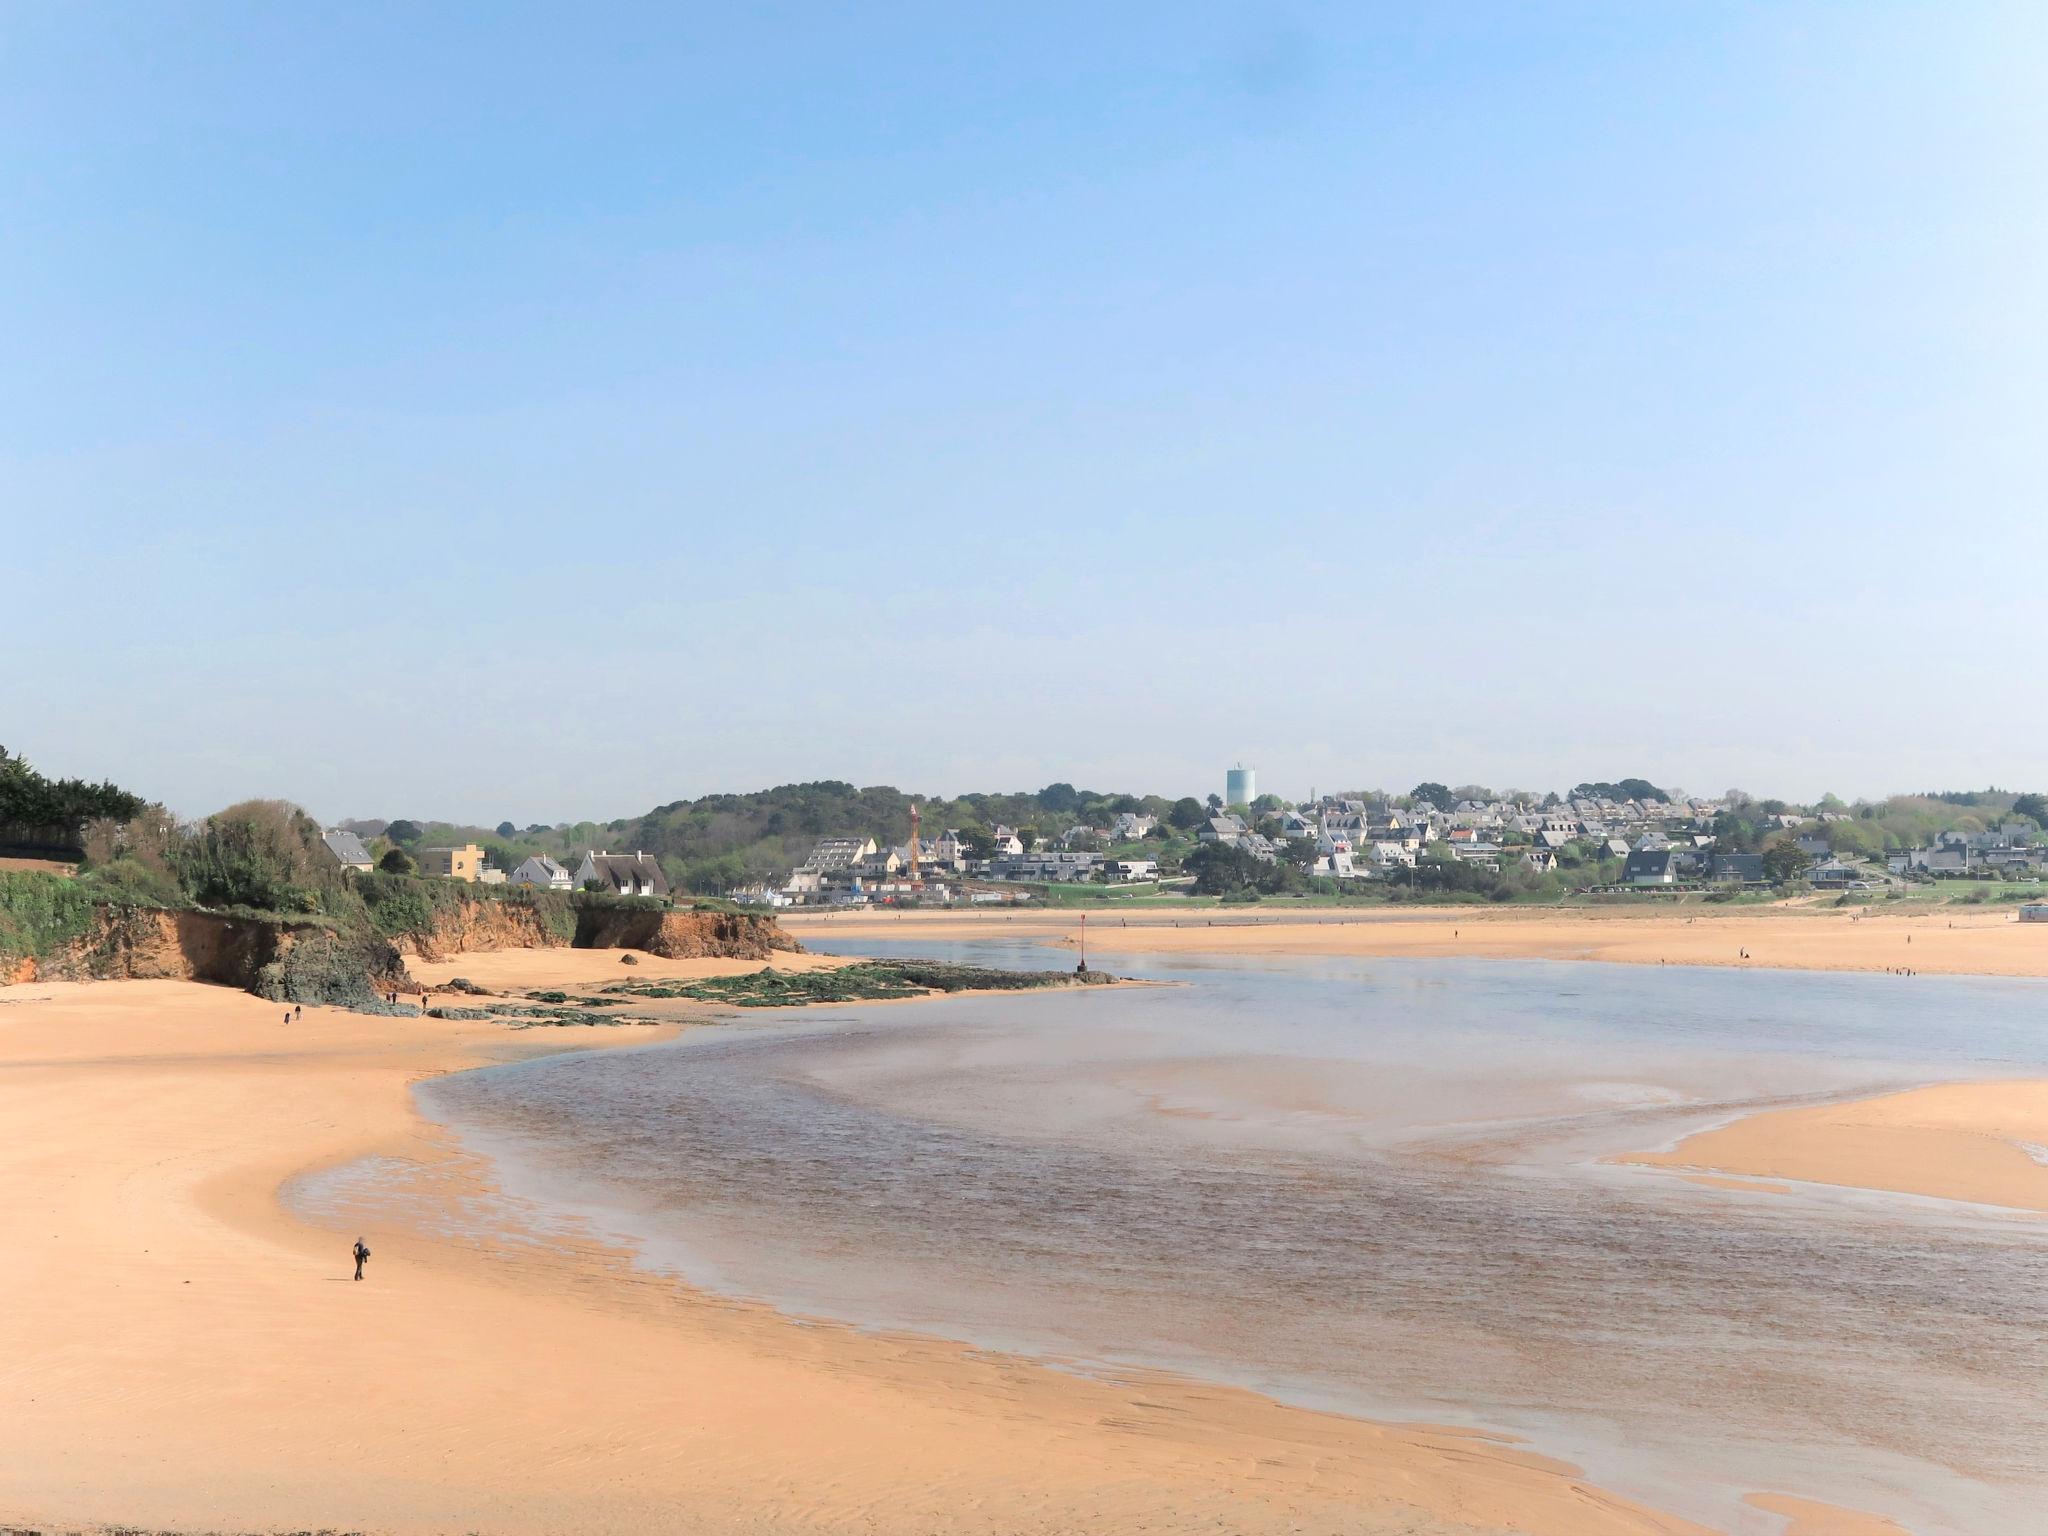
(183,1353)
(1987,942)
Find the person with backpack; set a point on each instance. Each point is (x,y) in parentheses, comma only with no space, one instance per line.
(362,1256)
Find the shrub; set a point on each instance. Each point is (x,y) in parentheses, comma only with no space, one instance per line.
(262,854)
(128,882)
(40,913)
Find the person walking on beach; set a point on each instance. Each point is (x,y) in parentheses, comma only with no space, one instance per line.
(362,1256)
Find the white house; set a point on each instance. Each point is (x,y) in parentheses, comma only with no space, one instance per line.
(1383,855)
(1336,866)
(543,873)
(1132,869)
(623,874)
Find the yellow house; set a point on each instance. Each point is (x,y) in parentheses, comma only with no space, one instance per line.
(453,863)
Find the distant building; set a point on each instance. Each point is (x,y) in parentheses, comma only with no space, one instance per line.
(1747,868)
(1651,866)
(1132,869)
(622,874)
(1046,868)
(1130,826)
(1240,785)
(464,863)
(831,862)
(543,873)
(348,850)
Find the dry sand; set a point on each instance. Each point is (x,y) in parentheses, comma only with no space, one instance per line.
(1803,937)
(178,1350)
(1954,1141)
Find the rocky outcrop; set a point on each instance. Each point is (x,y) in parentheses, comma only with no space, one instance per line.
(304,962)
(686,935)
(465,925)
(285,961)
(147,944)
(475,923)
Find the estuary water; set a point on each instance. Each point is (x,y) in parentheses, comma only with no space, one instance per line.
(1375,1186)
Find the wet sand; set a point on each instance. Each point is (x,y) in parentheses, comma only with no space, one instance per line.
(1806,1517)
(513,970)
(1987,942)
(1953,1141)
(182,1352)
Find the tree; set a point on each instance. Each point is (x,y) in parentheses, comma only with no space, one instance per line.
(2033,807)
(1784,862)
(402,831)
(1302,853)
(1060,799)
(1187,813)
(263,854)
(1215,802)
(506,829)
(27,799)
(1434,794)
(1028,836)
(1631,789)
(1222,869)
(979,842)
(1734,834)
(397,861)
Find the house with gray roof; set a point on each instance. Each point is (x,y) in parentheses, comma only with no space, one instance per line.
(542,873)
(622,874)
(348,851)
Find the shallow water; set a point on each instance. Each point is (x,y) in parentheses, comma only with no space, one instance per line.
(1368,1185)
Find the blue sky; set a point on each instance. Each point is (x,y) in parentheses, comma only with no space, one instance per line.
(485,412)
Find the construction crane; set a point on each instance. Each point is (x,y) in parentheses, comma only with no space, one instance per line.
(916,881)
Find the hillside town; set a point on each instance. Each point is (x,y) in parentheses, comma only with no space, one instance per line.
(1615,840)
(1612,846)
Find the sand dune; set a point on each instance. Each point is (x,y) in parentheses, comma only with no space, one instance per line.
(179,1351)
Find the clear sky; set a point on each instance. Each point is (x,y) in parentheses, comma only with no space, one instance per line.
(546,413)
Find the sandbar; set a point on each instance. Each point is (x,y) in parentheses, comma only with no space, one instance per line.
(1976,1142)
(1791,936)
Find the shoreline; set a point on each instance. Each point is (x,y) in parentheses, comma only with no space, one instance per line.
(185,1357)
(1871,940)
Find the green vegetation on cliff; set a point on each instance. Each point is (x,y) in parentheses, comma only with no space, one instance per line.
(41,913)
(404,906)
